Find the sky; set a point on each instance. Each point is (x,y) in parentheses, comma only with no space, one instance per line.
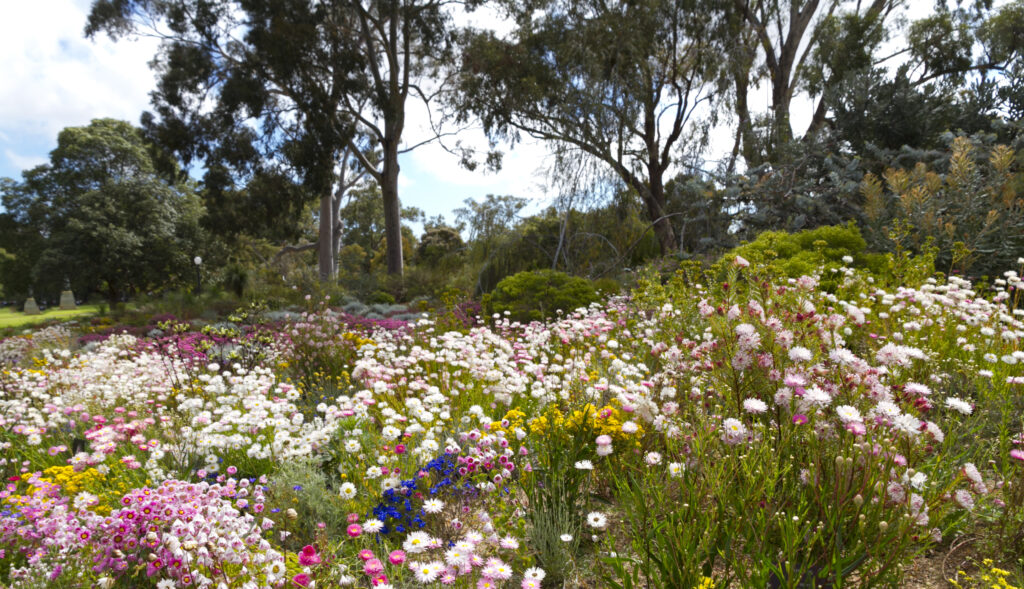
(55,78)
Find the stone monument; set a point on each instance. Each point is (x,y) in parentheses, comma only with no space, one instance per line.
(31,308)
(67,298)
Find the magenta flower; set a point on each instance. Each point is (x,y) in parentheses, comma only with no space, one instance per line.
(800,419)
(308,556)
(1017,454)
(301,579)
(354,530)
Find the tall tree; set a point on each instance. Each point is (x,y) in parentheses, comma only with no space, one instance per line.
(799,45)
(303,83)
(812,49)
(618,81)
(100,215)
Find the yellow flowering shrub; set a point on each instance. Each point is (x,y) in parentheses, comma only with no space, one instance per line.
(72,482)
(604,421)
(515,419)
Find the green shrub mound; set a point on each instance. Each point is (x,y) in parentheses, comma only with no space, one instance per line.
(797,254)
(538,294)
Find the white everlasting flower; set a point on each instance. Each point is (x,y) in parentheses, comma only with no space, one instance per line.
(534,574)
(584,465)
(848,414)
(597,520)
(754,406)
(433,505)
(733,431)
(347,491)
(800,354)
(417,542)
(959,405)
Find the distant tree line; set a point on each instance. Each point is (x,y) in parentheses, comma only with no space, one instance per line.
(296,112)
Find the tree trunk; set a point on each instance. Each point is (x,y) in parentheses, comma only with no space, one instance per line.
(336,231)
(325,251)
(663,230)
(654,195)
(392,209)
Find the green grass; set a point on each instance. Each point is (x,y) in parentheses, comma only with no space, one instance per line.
(12,318)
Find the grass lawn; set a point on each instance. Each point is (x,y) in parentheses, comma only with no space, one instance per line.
(11,317)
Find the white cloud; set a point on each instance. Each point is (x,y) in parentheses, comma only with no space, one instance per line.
(23,162)
(54,77)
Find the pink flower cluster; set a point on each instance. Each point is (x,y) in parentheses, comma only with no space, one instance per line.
(186,532)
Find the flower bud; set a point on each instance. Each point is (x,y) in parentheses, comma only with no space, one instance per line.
(883,526)
(858,500)
(291,514)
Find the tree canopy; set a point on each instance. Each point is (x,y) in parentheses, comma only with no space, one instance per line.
(619,82)
(294,87)
(102,216)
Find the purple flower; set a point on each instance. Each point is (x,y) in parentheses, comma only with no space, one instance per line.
(800,419)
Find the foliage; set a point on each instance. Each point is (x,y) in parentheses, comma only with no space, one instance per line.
(805,252)
(601,80)
(439,245)
(101,215)
(823,49)
(342,70)
(535,295)
(971,212)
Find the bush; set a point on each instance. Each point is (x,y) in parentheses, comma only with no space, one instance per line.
(381,297)
(804,253)
(536,295)
(970,211)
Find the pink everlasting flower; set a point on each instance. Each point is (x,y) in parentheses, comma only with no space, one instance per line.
(396,557)
(373,567)
(308,556)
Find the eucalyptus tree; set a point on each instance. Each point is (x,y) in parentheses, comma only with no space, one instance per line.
(809,52)
(306,84)
(631,84)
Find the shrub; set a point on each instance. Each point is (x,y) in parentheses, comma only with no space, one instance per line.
(797,254)
(381,297)
(970,210)
(535,295)
(607,286)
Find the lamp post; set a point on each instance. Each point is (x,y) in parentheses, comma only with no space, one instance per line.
(198,262)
